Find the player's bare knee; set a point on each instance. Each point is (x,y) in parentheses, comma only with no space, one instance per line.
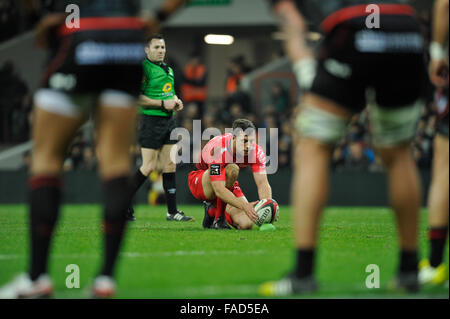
(245,226)
(232,173)
(169,167)
(47,165)
(147,168)
(391,155)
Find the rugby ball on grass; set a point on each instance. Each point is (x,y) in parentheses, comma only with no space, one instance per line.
(267,210)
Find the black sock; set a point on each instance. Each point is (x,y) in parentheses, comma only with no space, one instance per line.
(45,197)
(136,182)
(305,262)
(170,189)
(408,261)
(115,204)
(438,239)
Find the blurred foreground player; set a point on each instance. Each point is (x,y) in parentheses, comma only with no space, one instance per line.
(433,270)
(97,62)
(215,180)
(358,64)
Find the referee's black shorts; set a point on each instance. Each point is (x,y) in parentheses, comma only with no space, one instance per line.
(154,131)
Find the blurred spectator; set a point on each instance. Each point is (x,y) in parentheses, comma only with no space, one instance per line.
(178,75)
(240,60)
(234,112)
(280,98)
(17,16)
(240,97)
(192,111)
(26,158)
(357,159)
(89,159)
(9,19)
(338,156)
(31,11)
(13,97)
(194,87)
(207,121)
(285,145)
(234,77)
(270,121)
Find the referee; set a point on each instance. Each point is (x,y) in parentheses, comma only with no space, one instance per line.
(157,103)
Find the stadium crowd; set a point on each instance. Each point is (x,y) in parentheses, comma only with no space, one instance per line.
(353,153)
(18,16)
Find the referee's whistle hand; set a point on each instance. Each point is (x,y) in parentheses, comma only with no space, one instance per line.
(179,106)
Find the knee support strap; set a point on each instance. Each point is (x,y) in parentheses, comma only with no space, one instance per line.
(320,125)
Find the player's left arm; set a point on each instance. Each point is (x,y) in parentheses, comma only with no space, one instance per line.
(154,20)
(294,29)
(262,183)
(439,66)
(260,174)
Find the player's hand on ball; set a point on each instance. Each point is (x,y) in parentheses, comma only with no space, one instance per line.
(250,211)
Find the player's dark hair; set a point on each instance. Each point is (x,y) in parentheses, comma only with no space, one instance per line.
(243,124)
(154,36)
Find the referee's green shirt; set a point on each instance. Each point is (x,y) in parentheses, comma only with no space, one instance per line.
(158,84)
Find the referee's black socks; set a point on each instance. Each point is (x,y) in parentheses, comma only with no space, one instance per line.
(170,188)
(44,200)
(114,221)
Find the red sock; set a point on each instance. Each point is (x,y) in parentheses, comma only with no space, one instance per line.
(212,212)
(220,208)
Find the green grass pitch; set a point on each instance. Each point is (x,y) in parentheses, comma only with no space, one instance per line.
(161,259)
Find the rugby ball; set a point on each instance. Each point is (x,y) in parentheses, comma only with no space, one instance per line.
(267,210)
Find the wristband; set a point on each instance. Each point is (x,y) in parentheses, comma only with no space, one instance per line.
(162,104)
(437,51)
(305,72)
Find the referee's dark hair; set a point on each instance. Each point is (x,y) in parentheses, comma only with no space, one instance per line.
(243,124)
(158,36)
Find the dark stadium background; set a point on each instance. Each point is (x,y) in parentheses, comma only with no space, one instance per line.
(267,94)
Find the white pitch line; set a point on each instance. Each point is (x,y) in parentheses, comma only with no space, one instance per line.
(154,254)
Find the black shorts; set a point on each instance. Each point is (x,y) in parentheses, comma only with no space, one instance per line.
(353,58)
(91,61)
(442,107)
(154,131)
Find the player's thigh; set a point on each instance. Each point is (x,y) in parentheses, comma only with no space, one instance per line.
(55,121)
(167,158)
(207,186)
(116,119)
(321,119)
(149,159)
(327,106)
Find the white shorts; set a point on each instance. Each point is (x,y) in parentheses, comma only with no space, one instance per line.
(76,105)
